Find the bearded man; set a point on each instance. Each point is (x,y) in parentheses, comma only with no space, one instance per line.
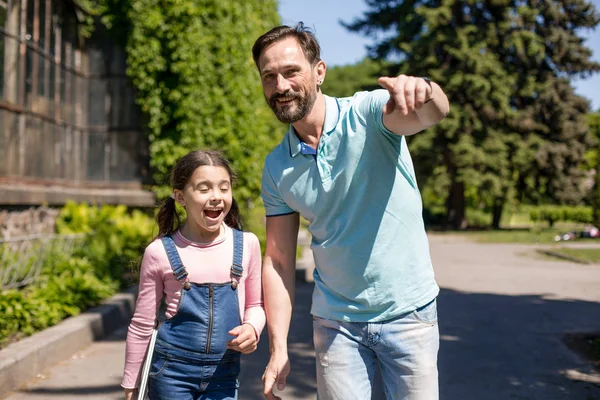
(344,165)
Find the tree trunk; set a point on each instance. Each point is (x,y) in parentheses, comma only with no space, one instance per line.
(497,211)
(455,207)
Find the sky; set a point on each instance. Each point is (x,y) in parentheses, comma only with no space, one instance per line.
(341,47)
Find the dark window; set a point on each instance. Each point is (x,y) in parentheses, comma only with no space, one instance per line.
(42,78)
(3,7)
(29,25)
(3,12)
(53,86)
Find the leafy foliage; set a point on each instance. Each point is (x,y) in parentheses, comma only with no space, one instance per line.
(118,237)
(344,81)
(100,265)
(552,214)
(191,64)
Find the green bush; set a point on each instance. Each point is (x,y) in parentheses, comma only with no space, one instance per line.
(118,237)
(478,218)
(61,292)
(552,214)
(68,285)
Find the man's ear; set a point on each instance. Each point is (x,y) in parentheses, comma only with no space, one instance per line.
(321,70)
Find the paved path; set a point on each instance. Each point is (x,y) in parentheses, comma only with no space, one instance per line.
(503,311)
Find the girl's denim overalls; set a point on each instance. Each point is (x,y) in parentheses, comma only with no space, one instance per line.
(191,359)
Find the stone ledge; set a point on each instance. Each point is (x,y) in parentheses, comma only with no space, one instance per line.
(18,194)
(25,359)
(34,221)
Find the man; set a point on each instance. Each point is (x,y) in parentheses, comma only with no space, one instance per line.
(345,167)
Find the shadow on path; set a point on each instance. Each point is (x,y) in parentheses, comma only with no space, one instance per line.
(89,390)
(301,383)
(493,347)
(510,347)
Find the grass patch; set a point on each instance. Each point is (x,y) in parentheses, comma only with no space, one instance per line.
(589,255)
(516,219)
(523,236)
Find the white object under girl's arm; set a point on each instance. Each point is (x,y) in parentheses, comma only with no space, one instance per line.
(146,369)
(144,319)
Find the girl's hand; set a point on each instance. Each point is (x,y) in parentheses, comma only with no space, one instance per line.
(130,394)
(245,341)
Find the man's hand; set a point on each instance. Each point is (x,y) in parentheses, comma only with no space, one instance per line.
(131,394)
(245,339)
(276,372)
(407,93)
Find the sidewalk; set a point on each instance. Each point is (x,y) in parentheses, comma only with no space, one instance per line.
(95,372)
(24,360)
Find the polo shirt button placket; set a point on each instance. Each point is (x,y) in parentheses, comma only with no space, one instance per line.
(323,166)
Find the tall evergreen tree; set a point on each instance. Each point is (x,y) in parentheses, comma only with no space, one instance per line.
(515,124)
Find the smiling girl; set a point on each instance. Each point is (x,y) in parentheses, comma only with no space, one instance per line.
(208,274)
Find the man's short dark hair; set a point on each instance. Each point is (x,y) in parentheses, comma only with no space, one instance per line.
(305,37)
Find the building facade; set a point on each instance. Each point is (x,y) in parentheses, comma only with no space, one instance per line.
(69,126)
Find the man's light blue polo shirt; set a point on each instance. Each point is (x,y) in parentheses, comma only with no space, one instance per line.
(360,195)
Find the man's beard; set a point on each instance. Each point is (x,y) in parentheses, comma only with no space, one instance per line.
(290,114)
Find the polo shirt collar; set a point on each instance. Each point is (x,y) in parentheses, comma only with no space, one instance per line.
(332,115)
(294,140)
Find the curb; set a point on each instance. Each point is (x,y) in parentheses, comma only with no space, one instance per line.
(25,359)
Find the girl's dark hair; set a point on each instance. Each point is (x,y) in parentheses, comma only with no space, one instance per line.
(168,218)
(306,39)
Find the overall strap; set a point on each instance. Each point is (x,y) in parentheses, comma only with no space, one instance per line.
(238,253)
(176,264)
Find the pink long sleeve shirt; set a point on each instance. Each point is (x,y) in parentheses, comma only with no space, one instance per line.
(204,263)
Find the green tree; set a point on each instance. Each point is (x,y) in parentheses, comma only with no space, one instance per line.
(191,64)
(594,121)
(345,80)
(515,124)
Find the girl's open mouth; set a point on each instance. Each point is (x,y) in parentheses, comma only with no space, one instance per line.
(213,213)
